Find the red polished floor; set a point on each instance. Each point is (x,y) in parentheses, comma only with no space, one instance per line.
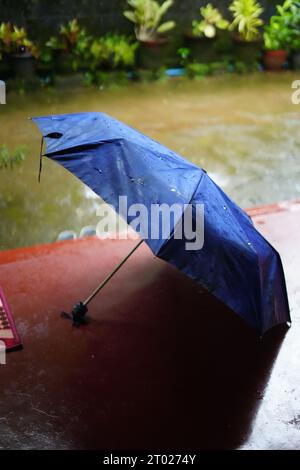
(162,364)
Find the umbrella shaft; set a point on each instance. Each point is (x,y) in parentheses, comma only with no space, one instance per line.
(105,281)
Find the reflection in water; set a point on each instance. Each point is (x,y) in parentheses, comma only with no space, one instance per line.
(242,130)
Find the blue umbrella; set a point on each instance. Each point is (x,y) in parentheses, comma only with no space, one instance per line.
(233,261)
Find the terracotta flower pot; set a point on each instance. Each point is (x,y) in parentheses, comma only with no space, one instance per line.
(275,60)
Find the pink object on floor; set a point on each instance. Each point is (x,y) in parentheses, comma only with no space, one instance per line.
(8,331)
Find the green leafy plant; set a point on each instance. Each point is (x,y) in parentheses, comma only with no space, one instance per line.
(220,67)
(290,11)
(106,80)
(147,16)
(8,159)
(113,51)
(282,32)
(247,19)
(72,41)
(198,70)
(184,54)
(211,21)
(295,25)
(45,55)
(71,36)
(241,67)
(14,40)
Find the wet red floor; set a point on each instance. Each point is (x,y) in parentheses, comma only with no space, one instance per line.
(162,364)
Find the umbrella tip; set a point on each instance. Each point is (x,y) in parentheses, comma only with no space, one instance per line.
(78,314)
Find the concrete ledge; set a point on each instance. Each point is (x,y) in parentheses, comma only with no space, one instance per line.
(161,365)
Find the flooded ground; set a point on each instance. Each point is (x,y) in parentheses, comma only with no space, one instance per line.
(244,130)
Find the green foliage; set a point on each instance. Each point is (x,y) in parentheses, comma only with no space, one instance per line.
(9,160)
(246,14)
(14,40)
(106,80)
(82,50)
(160,75)
(147,16)
(295,25)
(72,37)
(282,32)
(184,54)
(198,70)
(73,41)
(240,67)
(113,51)
(211,21)
(219,68)
(147,76)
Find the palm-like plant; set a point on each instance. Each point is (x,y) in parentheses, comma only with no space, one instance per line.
(14,40)
(211,20)
(246,14)
(71,37)
(147,16)
(72,41)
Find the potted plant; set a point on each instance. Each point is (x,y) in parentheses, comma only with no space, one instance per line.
(278,37)
(18,50)
(295,33)
(211,21)
(4,62)
(113,52)
(246,27)
(70,49)
(204,32)
(150,30)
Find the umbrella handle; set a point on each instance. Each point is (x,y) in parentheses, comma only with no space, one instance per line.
(41,160)
(80,309)
(107,279)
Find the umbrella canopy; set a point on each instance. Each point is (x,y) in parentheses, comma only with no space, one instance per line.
(235,263)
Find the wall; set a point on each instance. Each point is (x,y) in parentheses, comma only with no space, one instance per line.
(42,17)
